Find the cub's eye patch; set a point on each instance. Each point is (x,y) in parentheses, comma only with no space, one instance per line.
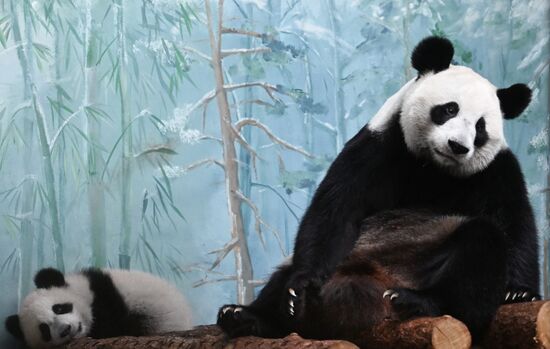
(45,332)
(62,308)
(481,133)
(440,114)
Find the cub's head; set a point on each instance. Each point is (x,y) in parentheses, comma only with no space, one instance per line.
(53,314)
(452,115)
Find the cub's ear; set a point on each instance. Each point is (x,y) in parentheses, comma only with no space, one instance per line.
(13,326)
(49,277)
(514,100)
(432,54)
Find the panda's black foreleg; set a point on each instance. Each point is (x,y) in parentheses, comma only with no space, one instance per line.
(262,317)
(468,280)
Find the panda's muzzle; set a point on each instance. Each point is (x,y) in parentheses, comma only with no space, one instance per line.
(66,331)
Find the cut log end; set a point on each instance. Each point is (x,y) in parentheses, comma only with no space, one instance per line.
(543,325)
(449,333)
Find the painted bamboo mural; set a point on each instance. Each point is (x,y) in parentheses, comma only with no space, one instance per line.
(187,137)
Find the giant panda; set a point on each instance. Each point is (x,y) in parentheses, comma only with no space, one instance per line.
(435,149)
(99,303)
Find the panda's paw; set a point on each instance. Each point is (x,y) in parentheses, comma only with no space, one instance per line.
(299,290)
(237,321)
(408,303)
(520,294)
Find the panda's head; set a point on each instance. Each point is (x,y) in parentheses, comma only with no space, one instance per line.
(453,116)
(56,312)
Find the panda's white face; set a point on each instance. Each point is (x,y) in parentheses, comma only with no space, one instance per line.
(54,316)
(454,119)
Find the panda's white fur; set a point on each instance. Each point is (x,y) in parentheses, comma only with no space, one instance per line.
(476,97)
(148,294)
(162,306)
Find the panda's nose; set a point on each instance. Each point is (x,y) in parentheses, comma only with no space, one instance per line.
(66,331)
(458,148)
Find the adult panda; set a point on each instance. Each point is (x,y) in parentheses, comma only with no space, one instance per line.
(99,303)
(437,145)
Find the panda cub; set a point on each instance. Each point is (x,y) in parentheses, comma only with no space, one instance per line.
(99,303)
(424,212)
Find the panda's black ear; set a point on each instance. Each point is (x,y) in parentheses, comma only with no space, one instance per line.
(49,277)
(13,326)
(432,54)
(514,100)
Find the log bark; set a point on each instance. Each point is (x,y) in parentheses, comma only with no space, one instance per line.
(207,337)
(521,325)
(517,326)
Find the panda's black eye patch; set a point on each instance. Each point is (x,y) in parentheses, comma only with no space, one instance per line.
(45,332)
(481,133)
(62,308)
(440,114)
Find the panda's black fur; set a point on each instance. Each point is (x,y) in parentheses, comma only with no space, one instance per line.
(112,317)
(329,288)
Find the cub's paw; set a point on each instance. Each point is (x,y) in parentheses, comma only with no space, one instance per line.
(520,294)
(237,321)
(409,303)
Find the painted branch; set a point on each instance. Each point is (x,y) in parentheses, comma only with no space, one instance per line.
(241,32)
(521,325)
(244,51)
(205,337)
(253,122)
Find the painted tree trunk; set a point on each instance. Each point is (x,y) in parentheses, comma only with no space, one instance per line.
(95,191)
(26,227)
(126,173)
(245,161)
(243,265)
(61,177)
(340,112)
(546,238)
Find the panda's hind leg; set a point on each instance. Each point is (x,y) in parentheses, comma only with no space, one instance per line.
(467,279)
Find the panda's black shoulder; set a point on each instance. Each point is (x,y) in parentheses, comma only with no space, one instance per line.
(505,175)
(506,164)
(111,314)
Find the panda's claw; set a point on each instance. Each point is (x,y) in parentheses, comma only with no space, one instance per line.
(533,299)
(238,310)
(292,292)
(394,296)
(507,296)
(524,295)
(387,293)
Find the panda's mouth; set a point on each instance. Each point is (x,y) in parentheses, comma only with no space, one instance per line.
(446,156)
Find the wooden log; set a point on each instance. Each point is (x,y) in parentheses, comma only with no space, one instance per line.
(206,337)
(444,332)
(516,326)
(520,325)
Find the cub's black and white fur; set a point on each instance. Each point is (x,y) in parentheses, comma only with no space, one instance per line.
(436,150)
(99,303)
